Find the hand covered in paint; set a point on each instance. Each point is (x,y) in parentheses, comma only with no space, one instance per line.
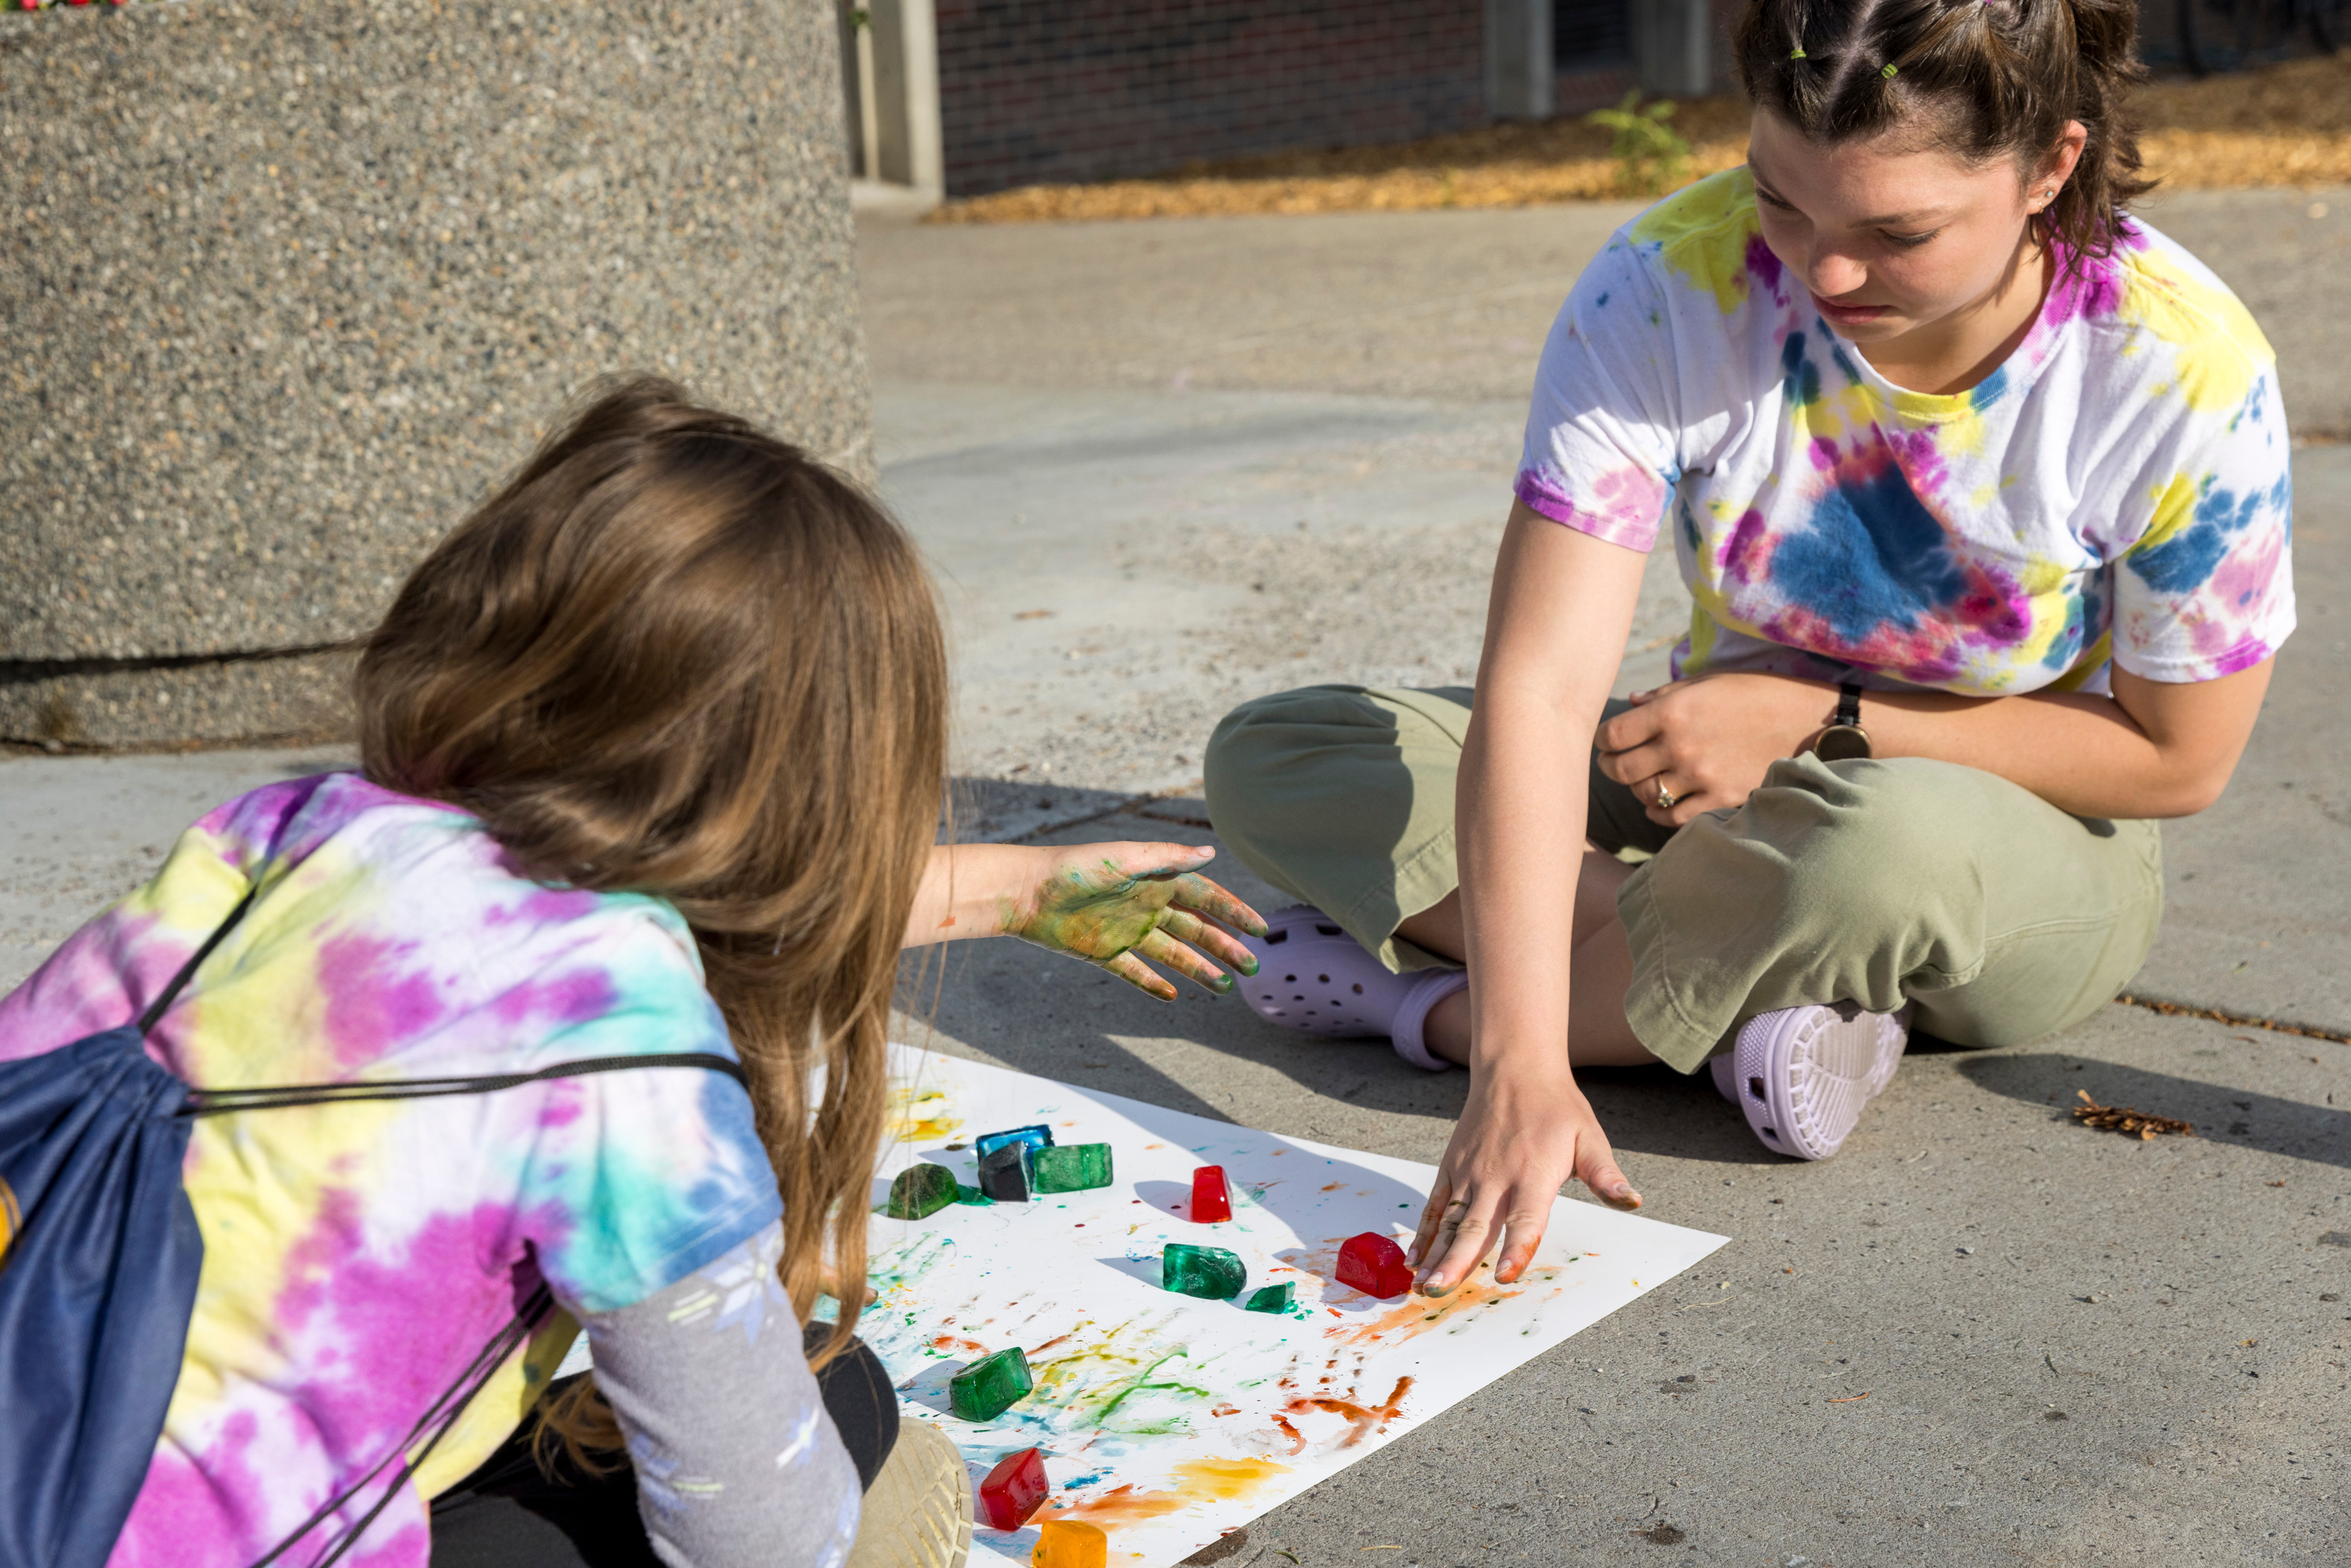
(1116,904)
(1709,739)
(1521,1138)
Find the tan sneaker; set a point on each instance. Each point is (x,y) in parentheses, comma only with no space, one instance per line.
(918,1510)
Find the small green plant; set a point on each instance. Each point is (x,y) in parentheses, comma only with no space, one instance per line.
(1650,158)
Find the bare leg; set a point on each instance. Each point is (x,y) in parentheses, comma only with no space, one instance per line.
(1599,972)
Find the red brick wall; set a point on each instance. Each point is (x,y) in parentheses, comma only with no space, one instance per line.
(1044,90)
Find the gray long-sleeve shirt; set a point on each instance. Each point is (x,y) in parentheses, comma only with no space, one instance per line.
(738,1463)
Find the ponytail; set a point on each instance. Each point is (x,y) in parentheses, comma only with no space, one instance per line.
(1992,77)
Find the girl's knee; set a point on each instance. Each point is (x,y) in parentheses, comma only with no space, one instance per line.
(1261,748)
(1862,819)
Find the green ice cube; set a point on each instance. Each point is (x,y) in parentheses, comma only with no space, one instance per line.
(920,1191)
(1210,1272)
(988,1387)
(1071,1167)
(1272,1298)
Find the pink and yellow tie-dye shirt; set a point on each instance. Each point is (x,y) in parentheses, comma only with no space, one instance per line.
(2118,490)
(358,1256)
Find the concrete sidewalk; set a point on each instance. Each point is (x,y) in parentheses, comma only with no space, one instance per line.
(1983,1335)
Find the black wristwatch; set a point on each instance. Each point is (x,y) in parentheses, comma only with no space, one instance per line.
(1844,738)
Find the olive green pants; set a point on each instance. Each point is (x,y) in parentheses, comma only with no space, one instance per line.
(1877,883)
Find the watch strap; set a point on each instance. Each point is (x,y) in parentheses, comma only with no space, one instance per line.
(1848,709)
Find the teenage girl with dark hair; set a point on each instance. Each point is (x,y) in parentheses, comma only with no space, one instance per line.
(652,756)
(1980,488)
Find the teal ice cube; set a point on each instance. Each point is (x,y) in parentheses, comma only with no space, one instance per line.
(1272,1298)
(1040,1137)
(991,1385)
(1209,1272)
(1071,1167)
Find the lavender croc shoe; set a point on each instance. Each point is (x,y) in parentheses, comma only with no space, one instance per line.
(1803,1075)
(1313,977)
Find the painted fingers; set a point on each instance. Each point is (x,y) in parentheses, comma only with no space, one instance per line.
(1162,948)
(1186,926)
(1139,975)
(1196,893)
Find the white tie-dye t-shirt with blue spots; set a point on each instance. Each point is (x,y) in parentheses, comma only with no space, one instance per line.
(2117,491)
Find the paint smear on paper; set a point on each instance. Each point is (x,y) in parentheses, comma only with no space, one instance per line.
(1166,1420)
(1362,1420)
(1197,1481)
(919,1115)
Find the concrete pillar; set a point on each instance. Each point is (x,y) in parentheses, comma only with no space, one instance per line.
(906,95)
(1521,72)
(286,284)
(1670,47)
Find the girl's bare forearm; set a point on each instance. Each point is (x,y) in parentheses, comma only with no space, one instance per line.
(1556,629)
(966,888)
(2151,750)
(1520,821)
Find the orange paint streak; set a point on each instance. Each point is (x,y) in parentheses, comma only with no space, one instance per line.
(1297,1438)
(1360,1421)
(1049,1344)
(1197,1481)
(949,1342)
(1226,1410)
(1360,1418)
(1334,1186)
(1419,1313)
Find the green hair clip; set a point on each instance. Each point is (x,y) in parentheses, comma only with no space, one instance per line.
(1797,53)
(1889,72)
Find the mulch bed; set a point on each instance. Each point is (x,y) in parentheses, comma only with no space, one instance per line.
(2287,124)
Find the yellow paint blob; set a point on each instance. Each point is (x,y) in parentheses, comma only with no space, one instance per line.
(918,1115)
(1196,1481)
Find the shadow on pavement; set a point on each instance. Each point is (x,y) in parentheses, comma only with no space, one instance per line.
(2237,1117)
(1051,1016)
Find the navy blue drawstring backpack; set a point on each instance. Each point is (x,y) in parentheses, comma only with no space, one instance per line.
(98,1258)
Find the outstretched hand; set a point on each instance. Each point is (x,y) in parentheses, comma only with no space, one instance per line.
(1115,905)
(1518,1141)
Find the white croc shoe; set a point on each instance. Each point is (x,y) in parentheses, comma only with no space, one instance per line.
(1313,977)
(1803,1076)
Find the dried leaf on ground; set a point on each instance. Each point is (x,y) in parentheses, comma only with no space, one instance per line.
(2286,125)
(2123,1119)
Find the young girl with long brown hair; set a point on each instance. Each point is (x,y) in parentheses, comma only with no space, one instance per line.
(652,755)
(1981,489)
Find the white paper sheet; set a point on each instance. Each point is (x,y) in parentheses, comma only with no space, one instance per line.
(1165,1419)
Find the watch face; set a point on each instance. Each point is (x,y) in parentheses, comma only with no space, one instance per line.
(1842,743)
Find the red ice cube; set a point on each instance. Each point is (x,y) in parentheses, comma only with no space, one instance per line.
(1375,1265)
(1211,1200)
(1013,1491)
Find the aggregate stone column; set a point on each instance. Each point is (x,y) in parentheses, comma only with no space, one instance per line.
(285,284)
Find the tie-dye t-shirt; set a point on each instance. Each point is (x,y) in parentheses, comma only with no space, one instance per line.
(2118,490)
(357,1257)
